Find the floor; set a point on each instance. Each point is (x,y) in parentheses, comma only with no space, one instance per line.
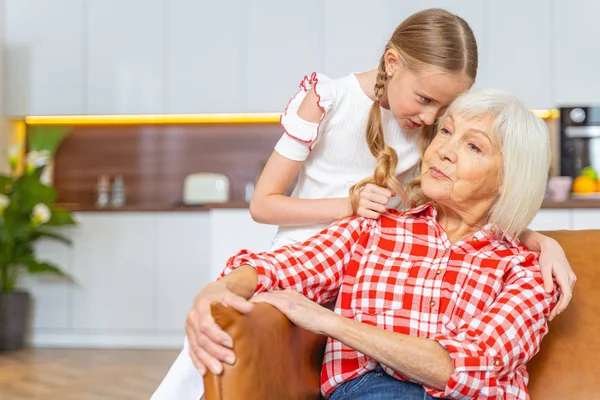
(81,374)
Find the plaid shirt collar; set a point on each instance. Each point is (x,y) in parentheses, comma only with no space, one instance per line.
(486,234)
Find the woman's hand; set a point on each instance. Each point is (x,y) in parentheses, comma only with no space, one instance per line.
(301,311)
(373,201)
(553,263)
(210,346)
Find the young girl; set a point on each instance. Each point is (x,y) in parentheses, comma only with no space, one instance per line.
(430,59)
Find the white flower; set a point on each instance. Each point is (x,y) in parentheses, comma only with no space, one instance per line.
(4,201)
(40,215)
(37,159)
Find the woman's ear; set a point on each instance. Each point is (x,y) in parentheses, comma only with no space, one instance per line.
(500,189)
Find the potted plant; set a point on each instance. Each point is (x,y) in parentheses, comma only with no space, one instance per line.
(27,213)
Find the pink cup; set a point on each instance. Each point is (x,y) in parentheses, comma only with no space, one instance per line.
(559,188)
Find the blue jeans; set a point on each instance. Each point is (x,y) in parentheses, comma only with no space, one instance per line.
(377,385)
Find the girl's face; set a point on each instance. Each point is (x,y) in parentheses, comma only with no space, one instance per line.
(418,98)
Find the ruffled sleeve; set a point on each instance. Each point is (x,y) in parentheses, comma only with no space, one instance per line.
(300,135)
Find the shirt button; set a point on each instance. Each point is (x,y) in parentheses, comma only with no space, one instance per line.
(446,251)
(439,271)
(474,240)
(432,303)
(497,362)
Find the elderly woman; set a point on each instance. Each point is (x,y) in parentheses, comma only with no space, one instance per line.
(441,301)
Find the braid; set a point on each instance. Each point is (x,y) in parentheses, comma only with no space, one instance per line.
(387,159)
(430,38)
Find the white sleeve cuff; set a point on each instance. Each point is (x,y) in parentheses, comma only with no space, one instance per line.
(292,148)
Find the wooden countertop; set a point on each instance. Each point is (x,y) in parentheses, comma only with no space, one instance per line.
(569,204)
(572,203)
(153,208)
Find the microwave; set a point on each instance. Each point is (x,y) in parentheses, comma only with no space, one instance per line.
(579,139)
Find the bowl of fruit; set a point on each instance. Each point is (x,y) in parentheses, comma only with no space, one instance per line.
(586,185)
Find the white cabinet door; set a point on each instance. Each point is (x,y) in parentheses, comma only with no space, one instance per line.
(520,49)
(43,56)
(125,56)
(114,267)
(576,55)
(552,220)
(349,49)
(282,42)
(183,256)
(205,60)
(51,295)
(586,219)
(233,230)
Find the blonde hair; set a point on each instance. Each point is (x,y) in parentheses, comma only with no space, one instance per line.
(524,140)
(430,38)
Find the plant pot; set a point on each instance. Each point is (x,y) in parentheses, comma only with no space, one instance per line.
(14,315)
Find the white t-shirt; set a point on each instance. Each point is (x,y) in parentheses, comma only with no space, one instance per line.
(335,151)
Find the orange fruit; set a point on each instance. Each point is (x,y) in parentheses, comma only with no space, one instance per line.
(598,186)
(584,184)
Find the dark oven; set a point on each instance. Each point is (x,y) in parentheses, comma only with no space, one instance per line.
(579,139)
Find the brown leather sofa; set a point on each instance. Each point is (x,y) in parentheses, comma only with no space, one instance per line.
(277,360)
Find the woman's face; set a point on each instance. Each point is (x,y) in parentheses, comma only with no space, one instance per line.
(418,98)
(462,166)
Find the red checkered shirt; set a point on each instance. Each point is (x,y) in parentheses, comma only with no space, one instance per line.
(482,298)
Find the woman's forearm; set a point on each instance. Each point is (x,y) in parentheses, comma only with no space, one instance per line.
(282,210)
(419,359)
(532,240)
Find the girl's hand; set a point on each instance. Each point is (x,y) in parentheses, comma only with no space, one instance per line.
(553,263)
(301,311)
(210,346)
(373,201)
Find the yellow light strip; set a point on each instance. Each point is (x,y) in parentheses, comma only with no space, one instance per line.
(18,137)
(547,114)
(155,119)
(164,119)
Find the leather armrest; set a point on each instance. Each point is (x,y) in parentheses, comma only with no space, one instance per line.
(274,358)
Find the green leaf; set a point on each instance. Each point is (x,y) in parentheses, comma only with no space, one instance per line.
(60,217)
(34,267)
(5,184)
(39,234)
(31,191)
(40,137)
(22,232)
(9,274)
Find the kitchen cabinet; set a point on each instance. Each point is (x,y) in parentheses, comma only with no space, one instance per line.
(125,45)
(205,59)
(188,56)
(282,42)
(182,261)
(115,272)
(586,219)
(51,295)
(232,230)
(576,55)
(552,220)
(43,57)
(348,49)
(136,273)
(519,50)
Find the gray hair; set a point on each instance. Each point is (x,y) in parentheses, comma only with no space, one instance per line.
(524,140)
